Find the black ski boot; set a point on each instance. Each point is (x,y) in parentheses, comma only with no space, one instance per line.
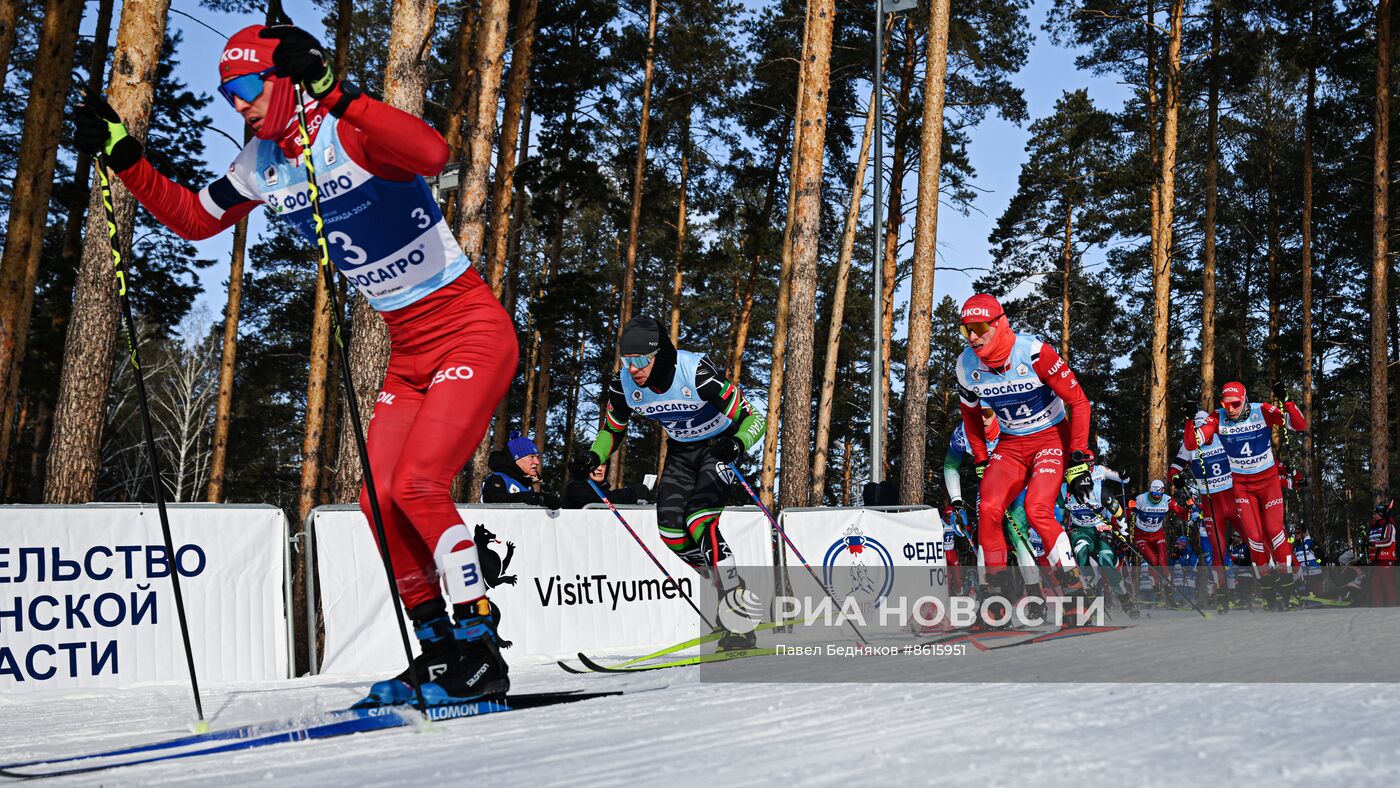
(479,671)
(736,641)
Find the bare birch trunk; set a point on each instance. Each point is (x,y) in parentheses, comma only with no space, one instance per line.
(1161,258)
(811,118)
(911,482)
(75,452)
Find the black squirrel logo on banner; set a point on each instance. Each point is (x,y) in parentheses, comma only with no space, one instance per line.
(492,565)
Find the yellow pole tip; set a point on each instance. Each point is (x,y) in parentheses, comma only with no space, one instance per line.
(201,726)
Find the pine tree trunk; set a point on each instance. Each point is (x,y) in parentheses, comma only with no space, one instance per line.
(29,206)
(1208,248)
(481,128)
(847,462)
(545,360)
(459,88)
(511,290)
(517,82)
(223,409)
(894,219)
(74,457)
(1161,258)
(1380,262)
(1273,240)
(740,335)
(802,299)
(1314,493)
(471,190)
(77,211)
(344,22)
(638,176)
(838,309)
(9,18)
(678,273)
(777,368)
(1066,268)
(315,413)
(911,482)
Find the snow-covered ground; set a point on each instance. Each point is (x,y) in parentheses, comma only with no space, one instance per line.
(697,732)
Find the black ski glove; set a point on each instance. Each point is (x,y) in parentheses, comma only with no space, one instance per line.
(584,462)
(1080,476)
(726,450)
(1280,392)
(100,132)
(301,58)
(981,468)
(1178,483)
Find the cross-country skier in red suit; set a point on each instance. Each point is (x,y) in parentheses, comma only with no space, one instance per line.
(1026,383)
(453,347)
(1246,430)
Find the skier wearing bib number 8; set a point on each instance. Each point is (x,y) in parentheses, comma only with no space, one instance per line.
(1246,431)
(453,347)
(1029,387)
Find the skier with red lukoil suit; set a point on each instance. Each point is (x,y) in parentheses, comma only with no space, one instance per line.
(1149,530)
(1028,386)
(1246,430)
(453,347)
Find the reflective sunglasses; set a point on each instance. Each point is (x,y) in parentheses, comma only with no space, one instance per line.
(978,327)
(639,362)
(247,87)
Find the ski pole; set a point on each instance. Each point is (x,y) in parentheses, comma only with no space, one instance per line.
(1167,579)
(774,522)
(129,326)
(647,550)
(276,16)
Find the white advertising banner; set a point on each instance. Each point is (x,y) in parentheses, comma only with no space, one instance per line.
(86,598)
(571,580)
(857,551)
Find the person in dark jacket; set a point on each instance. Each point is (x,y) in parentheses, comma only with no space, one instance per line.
(515,475)
(577,493)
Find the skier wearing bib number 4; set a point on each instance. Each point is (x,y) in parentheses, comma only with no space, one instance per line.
(708,425)
(1026,383)
(453,347)
(1246,431)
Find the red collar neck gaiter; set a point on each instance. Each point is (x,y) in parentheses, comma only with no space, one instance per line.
(996,352)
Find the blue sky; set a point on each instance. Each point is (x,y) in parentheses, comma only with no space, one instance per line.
(997,149)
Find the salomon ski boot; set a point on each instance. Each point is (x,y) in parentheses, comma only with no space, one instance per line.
(479,672)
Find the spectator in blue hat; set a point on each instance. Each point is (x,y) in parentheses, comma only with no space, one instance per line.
(515,475)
